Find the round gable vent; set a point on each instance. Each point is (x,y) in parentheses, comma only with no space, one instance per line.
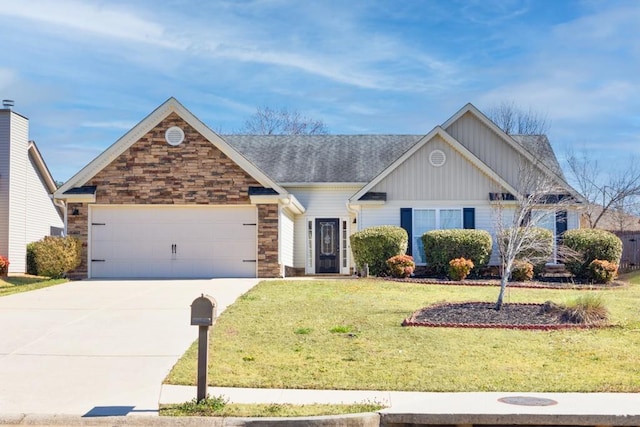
(174,136)
(437,158)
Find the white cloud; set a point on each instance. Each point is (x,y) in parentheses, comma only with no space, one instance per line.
(115,124)
(87,18)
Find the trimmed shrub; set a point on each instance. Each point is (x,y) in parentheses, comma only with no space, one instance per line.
(55,256)
(375,245)
(441,246)
(4,266)
(31,260)
(401,266)
(590,244)
(459,268)
(522,271)
(601,271)
(539,253)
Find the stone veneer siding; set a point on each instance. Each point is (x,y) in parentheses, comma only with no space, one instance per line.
(194,172)
(268,241)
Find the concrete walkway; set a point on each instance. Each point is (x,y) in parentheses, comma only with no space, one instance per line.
(98,347)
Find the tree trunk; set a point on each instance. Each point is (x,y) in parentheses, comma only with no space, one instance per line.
(503,286)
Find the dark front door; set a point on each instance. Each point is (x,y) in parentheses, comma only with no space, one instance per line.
(327,246)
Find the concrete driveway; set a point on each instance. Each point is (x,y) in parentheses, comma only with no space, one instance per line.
(98,347)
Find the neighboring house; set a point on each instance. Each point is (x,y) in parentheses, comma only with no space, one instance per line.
(172,198)
(27,210)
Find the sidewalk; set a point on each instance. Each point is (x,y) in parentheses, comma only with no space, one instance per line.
(450,408)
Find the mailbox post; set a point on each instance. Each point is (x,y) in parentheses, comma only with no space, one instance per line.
(203,313)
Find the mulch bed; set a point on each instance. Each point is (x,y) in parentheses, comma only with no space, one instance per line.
(484,315)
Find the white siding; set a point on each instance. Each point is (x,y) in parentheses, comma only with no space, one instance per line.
(286,230)
(19,129)
(417,179)
(5,134)
(320,202)
(41,212)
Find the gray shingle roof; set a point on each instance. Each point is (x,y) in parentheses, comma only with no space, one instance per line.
(322,158)
(346,158)
(540,147)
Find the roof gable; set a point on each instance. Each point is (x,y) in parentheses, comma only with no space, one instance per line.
(437,132)
(535,148)
(146,125)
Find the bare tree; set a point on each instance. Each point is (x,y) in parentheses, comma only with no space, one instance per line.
(513,120)
(608,195)
(269,121)
(517,219)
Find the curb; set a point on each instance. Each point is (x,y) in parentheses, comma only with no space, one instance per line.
(367,419)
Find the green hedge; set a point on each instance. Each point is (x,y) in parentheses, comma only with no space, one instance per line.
(53,256)
(375,245)
(441,246)
(590,244)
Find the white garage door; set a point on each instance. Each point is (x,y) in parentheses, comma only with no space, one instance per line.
(172,241)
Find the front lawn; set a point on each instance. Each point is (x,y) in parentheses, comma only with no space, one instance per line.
(346,334)
(16,284)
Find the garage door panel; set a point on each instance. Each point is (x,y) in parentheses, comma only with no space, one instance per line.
(163,241)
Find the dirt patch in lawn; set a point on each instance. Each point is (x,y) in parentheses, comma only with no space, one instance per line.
(484,315)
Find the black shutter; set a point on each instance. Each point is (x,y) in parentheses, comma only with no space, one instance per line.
(406,222)
(561,224)
(469,218)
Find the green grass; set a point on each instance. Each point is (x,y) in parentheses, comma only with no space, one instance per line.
(219,407)
(16,284)
(258,342)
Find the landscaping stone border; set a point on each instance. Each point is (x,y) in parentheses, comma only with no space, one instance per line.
(532,285)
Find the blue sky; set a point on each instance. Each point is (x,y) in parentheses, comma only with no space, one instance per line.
(85,72)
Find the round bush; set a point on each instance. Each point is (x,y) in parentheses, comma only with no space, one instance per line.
(538,251)
(602,271)
(441,246)
(459,268)
(401,266)
(589,244)
(55,256)
(522,271)
(375,245)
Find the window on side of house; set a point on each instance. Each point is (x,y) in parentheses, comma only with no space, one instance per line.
(432,219)
(546,219)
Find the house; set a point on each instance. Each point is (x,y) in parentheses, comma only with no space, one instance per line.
(27,210)
(172,198)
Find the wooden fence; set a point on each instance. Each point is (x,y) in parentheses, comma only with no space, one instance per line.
(630,245)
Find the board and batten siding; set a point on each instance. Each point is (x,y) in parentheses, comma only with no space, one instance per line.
(417,179)
(5,135)
(286,230)
(488,146)
(320,202)
(18,158)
